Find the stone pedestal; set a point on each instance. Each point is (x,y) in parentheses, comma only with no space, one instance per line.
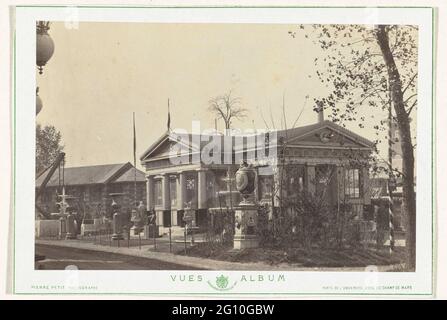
(246,220)
(246,215)
(117,227)
(151,231)
(117,222)
(136,221)
(245,242)
(135,231)
(62,227)
(71,227)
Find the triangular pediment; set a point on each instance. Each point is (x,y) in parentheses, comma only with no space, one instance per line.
(164,145)
(163,150)
(329,135)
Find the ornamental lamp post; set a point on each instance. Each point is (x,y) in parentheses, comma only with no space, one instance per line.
(44,52)
(39,104)
(44,44)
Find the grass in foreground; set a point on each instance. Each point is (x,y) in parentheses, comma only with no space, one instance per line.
(315,257)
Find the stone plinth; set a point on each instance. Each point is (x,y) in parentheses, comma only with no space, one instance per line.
(245,242)
(246,219)
(117,227)
(71,227)
(151,231)
(135,231)
(62,227)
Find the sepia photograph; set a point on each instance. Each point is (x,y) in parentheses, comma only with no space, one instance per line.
(172,146)
(206,151)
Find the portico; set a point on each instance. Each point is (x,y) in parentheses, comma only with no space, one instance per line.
(171,191)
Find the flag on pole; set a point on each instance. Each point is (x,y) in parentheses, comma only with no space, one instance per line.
(169,118)
(135,160)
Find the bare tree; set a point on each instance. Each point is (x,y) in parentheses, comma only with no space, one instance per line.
(227,108)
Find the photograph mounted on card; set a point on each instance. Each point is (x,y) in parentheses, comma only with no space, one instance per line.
(241,151)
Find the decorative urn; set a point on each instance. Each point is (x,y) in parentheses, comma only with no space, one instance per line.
(245,180)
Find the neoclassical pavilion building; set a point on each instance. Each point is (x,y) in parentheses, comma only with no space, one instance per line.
(196,171)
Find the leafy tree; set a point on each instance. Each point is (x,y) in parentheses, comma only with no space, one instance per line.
(372,67)
(48,146)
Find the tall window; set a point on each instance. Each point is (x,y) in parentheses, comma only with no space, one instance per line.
(266,187)
(294,179)
(173,191)
(158,195)
(190,189)
(352,183)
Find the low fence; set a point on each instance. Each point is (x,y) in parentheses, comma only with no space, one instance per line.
(275,228)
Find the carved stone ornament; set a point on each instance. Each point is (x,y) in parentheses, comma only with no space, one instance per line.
(326,136)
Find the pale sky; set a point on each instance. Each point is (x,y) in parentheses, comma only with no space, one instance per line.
(102,72)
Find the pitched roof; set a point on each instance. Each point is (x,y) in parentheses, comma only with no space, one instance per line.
(93,175)
(129,176)
(291,133)
(304,130)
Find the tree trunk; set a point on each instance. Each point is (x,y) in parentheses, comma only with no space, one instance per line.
(409,197)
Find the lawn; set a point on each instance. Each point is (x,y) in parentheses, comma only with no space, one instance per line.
(316,257)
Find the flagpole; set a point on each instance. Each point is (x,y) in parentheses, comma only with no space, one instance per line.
(135,160)
(169,118)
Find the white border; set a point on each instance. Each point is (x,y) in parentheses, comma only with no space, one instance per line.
(157,282)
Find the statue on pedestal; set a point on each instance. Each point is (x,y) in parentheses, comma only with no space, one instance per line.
(67,218)
(117,219)
(71,225)
(246,215)
(137,218)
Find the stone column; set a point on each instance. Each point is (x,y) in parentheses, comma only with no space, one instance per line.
(366,186)
(181,190)
(105,202)
(201,189)
(341,183)
(150,193)
(310,175)
(165,192)
(174,206)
